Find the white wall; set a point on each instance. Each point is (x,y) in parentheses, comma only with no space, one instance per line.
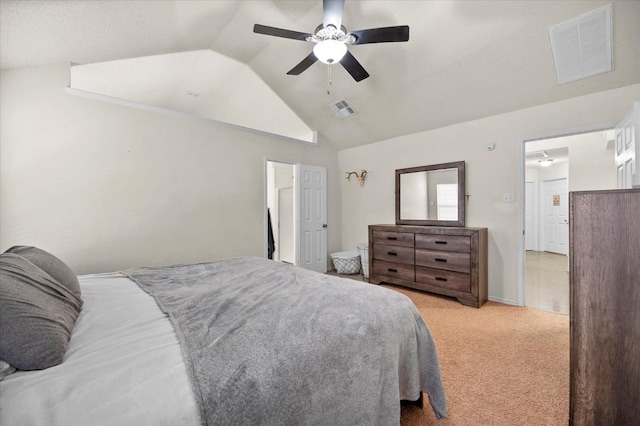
(559,171)
(237,95)
(591,160)
(107,187)
(489,174)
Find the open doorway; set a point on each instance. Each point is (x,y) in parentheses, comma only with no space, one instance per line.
(553,168)
(296,214)
(281,212)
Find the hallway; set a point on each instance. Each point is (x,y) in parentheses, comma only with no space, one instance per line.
(547,282)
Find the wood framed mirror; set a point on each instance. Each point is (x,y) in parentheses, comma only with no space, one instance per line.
(431,195)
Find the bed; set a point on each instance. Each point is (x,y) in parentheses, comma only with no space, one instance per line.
(242,341)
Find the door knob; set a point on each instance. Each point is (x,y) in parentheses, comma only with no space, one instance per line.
(324,225)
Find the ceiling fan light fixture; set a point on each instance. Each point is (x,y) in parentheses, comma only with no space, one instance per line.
(331,39)
(330,51)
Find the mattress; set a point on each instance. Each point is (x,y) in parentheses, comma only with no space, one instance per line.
(124,366)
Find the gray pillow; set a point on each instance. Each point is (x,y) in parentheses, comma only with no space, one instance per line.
(6,369)
(50,264)
(37,314)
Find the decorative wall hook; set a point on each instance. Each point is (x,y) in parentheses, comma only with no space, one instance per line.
(361,176)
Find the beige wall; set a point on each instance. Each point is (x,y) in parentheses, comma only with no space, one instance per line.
(489,174)
(107,187)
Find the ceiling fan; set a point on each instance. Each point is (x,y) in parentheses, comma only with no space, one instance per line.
(331,39)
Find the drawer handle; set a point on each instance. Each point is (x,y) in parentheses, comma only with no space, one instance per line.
(392,270)
(440,279)
(392,238)
(391,253)
(437,259)
(441,242)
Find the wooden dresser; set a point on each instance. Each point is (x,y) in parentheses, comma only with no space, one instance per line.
(604,270)
(446,260)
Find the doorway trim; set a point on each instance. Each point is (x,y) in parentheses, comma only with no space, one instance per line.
(534,216)
(520,192)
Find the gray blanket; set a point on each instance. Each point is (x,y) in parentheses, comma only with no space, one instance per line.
(267,343)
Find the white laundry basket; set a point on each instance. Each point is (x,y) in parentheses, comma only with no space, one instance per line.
(346,262)
(363,250)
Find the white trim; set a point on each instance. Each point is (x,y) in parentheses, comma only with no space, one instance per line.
(151,108)
(505,301)
(568,132)
(520,222)
(534,219)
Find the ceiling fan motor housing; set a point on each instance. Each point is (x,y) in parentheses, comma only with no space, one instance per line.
(330,32)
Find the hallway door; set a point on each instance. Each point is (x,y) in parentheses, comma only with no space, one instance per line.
(556,216)
(312,217)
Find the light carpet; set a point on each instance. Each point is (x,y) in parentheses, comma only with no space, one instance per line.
(501,364)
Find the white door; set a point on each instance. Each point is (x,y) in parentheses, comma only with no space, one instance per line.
(529,209)
(312,217)
(556,216)
(626,148)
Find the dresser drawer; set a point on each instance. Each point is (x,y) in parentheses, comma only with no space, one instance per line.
(437,259)
(394,254)
(393,238)
(449,260)
(445,279)
(394,270)
(444,242)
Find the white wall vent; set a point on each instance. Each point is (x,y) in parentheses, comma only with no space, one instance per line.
(342,109)
(582,47)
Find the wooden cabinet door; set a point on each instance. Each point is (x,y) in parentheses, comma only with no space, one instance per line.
(605,307)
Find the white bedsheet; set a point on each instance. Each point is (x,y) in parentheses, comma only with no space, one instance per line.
(124,366)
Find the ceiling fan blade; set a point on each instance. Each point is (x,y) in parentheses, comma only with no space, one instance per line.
(303,65)
(332,12)
(353,67)
(381,35)
(279,32)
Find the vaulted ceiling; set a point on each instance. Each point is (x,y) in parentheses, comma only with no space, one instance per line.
(465,59)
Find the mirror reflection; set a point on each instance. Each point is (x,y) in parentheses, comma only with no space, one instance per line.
(431,195)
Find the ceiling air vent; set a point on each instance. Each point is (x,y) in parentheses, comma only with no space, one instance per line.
(342,109)
(581,47)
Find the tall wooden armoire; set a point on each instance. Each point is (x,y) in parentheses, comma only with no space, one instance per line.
(604,253)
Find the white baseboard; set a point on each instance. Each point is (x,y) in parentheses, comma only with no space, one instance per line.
(505,301)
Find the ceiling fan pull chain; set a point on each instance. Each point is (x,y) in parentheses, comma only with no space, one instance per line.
(329,87)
